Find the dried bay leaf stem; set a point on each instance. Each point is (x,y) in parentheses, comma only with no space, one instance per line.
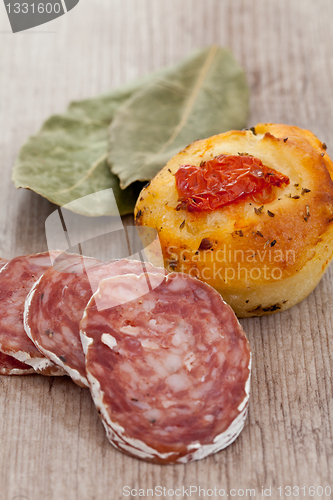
(191,100)
(86,176)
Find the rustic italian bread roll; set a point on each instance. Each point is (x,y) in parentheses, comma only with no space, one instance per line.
(250,212)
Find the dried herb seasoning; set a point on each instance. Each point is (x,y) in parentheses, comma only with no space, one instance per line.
(238,233)
(258,211)
(205,244)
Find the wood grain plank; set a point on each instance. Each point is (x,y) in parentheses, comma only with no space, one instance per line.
(52,441)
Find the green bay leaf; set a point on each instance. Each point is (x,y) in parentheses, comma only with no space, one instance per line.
(66,160)
(203,95)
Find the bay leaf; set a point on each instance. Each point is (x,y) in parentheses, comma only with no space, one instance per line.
(66,160)
(203,95)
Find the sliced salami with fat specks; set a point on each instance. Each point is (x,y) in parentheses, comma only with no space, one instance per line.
(169,371)
(16,279)
(55,306)
(11,366)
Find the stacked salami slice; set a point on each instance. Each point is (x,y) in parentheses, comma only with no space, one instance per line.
(166,360)
(55,306)
(16,279)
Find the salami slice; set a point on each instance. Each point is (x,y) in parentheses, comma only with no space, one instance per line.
(55,306)
(8,364)
(11,366)
(169,371)
(16,279)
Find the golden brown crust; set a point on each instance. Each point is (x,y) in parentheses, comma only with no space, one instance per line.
(259,259)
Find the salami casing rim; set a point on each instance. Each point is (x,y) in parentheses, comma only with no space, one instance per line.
(11,366)
(52,358)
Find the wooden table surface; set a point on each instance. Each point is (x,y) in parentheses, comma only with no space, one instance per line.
(52,443)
